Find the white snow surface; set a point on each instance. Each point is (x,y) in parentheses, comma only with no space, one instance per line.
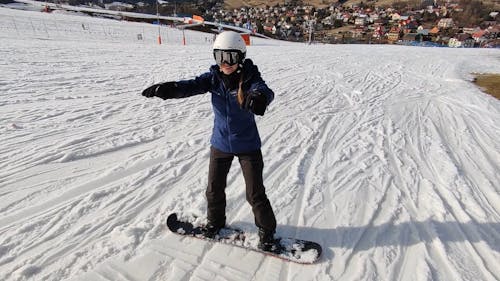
(388,156)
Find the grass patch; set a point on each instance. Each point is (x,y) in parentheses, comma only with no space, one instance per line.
(490,83)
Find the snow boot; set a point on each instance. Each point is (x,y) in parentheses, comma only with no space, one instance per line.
(211,229)
(267,242)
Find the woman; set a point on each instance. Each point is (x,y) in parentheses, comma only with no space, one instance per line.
(238,93)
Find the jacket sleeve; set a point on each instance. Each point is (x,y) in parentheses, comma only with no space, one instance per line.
(259,85)
(186,88)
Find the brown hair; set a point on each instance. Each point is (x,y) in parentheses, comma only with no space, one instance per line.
(240,97)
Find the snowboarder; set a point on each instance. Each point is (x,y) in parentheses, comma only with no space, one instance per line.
(238,93)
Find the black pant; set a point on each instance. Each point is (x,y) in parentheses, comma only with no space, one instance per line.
(252,165)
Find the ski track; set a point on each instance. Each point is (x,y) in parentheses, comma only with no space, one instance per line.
(387,159)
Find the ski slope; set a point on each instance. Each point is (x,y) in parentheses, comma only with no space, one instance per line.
(386,155)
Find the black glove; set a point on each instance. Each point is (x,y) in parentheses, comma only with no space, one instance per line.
(163,90)
(255,102)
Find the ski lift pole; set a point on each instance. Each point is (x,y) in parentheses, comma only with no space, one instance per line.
(158,21)
(310,31)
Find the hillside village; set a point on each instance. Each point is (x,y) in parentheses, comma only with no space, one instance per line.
(452,23)
(432,24)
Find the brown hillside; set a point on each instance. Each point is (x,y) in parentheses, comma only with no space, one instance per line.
(490,83)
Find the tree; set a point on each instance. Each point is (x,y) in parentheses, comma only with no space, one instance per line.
(337,23)
(399,5)
(473,14)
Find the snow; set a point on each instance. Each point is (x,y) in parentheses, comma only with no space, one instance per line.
(388,156)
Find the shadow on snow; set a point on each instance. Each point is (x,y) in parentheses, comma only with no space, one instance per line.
(362,238)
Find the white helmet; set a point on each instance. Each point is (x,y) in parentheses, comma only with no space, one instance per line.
(230,40)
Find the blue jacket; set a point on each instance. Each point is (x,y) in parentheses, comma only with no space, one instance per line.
(234,128)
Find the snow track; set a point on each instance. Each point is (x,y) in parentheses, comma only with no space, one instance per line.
(388,156)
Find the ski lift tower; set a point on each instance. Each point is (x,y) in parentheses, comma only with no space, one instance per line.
(311,30)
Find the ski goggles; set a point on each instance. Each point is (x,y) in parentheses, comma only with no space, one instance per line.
(230,57)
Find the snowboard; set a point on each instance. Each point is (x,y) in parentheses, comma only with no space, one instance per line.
(289,249)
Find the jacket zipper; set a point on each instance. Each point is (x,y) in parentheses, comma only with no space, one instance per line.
(228,101)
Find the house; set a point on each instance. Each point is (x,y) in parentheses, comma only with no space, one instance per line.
(463,40)
(445,23)
(454,43)
(478,35)
(393,35)
(470,30)
(434,31)
(412,37)
(423,31)
(493,32)
(360,21)
(489,23)
(379,31)
(468,43)
(443,40)
(373,17)
(491,44)
(411,25)
(346,17)
(466,40)
(396,17)
(269,27)
(358,32)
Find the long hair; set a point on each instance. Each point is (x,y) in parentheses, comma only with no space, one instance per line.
(240,97)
